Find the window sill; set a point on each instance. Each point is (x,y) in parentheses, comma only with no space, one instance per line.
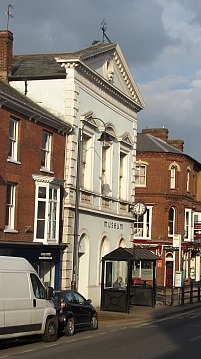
(10,230)
(9,159)
(45,242)
(43,169)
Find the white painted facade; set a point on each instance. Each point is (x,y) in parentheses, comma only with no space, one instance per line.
(98,92)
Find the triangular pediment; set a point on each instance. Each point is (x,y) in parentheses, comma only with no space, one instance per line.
(89,118)
(108,61)
(126,138)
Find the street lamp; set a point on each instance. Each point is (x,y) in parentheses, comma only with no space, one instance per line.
(105,141)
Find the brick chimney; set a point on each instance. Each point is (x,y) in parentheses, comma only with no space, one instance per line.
(178,144)
(161,133)
(6,54)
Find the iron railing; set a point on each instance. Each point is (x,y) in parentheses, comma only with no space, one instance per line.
(188,294)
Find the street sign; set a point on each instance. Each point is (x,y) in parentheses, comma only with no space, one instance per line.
(178,279)
(177,240)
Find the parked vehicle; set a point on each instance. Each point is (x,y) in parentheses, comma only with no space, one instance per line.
(74,312)
(25,308)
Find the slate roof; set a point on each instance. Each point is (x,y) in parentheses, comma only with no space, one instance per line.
(19,102)
(134,253)
(149,143)
(45,65)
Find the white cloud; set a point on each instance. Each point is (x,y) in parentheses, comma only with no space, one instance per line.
(176,109)
(160,39)
(178,22)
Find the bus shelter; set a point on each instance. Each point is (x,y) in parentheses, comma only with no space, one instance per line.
(128,278)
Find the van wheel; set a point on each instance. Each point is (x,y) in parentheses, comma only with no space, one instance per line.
(70,327)
(51,329)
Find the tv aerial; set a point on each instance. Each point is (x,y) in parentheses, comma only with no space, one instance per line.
(104,28)
(9,14)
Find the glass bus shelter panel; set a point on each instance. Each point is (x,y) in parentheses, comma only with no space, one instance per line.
(116,272)
(143,272)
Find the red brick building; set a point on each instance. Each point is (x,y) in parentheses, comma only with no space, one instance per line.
(32,160)
(167,181)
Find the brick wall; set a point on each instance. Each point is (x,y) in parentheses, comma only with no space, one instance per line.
(158,194)
(30,139)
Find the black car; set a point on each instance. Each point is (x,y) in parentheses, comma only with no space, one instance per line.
(74,312)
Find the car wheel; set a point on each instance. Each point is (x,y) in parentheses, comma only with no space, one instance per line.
(70,327)
(51,329)
(94,322)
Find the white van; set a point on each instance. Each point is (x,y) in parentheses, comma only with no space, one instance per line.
(24,305)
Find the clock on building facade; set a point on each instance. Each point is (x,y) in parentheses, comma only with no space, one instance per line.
(139,208)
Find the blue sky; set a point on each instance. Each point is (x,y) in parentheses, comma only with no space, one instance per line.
(160,40)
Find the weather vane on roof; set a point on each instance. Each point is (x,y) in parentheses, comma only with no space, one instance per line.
(104,28)
(8,13)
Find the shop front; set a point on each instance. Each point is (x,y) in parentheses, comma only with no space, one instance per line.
(46,259)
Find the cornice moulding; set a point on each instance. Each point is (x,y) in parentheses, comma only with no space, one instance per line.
(103,83)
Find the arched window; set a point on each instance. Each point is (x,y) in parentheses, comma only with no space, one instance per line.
(83,264)
(188,179)
(122,243)
(171,221)
(104,249)
(173,177)
(174,168)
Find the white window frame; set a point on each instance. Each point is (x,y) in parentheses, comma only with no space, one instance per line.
(188,180)
(123,174)
(143,225)
(87,147)
(48,218)
(173,171)
(13,140)
(173,222)
(188,225)
(10,207)
(46,150)
(197,220)
(140,174)
(106,172)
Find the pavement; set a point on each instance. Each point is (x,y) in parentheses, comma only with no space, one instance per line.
(142,314)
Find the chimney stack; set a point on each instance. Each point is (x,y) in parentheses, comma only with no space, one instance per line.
(6,54)
(178,144)
(161,133)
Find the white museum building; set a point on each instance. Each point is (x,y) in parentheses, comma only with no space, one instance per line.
(93,90)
